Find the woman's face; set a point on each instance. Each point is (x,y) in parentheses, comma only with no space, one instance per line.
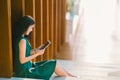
(29,29)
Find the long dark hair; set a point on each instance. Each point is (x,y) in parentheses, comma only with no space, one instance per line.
(21,26)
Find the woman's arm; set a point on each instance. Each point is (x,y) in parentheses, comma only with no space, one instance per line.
(22,52)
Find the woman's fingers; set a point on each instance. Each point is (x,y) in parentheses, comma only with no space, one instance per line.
(41,51)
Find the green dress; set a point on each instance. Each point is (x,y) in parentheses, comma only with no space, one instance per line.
(39,70)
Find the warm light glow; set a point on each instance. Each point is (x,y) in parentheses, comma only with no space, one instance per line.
(99,25)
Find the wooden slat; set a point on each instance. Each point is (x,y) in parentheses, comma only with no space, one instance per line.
(42,25)
(54,16)
(39,27)
(59,25)
(51,28)
(45,26)
(63,21)
(5,41)
(16,10)
(48,28)
(55,27)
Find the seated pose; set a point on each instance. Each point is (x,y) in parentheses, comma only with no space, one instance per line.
(23,54)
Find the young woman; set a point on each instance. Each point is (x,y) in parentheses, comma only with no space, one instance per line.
(23,54)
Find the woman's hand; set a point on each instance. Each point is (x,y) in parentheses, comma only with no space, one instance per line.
(40,52)
(32,51)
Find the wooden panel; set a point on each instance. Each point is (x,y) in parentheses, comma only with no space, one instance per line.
(39,27)
(45,17)
(59,25)
(5,41)
(55,27)
(48,35)
(51,28)
(63,21)
(16,10)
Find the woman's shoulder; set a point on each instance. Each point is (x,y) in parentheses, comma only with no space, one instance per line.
(19,39)
(22,43)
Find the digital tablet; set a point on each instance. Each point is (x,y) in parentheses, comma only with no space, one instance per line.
(45,45)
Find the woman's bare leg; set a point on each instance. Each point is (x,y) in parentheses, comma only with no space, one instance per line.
(61,72)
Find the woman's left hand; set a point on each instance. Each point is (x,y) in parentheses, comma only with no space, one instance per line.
(40,52)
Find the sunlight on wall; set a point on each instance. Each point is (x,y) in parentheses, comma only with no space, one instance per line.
(100,16)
